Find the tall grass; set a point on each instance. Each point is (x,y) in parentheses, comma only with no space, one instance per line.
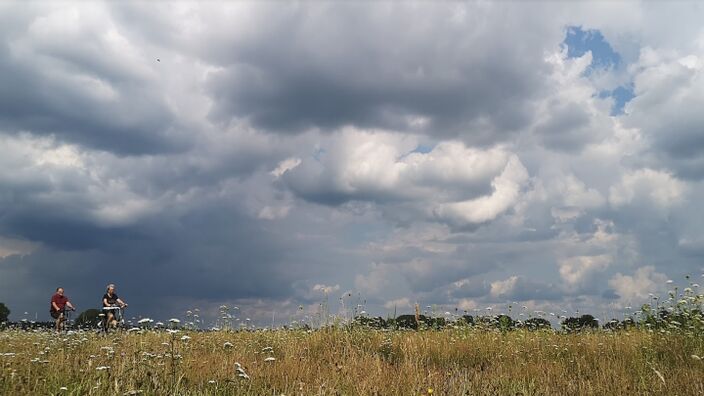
(352,361)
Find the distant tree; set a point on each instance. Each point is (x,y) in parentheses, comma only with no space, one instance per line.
(615,324)
(88,318)
(612,325)
(467,320)
(504,322)
(581,323)
(409,321)
(537,324)
(4,312)
(370,322)
(435,323)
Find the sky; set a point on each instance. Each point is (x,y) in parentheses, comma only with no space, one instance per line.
(276,156)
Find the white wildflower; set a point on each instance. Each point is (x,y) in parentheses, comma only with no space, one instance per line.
(240,371)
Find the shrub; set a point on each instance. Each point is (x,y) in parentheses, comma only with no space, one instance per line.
(4,312)
(88,318)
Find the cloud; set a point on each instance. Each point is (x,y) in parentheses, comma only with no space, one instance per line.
(579,271)
(521,289)
(646,185)
(482,92)
(506,187)
(668,92)
(637,287)
(102,94)
(392,152)
(461,185)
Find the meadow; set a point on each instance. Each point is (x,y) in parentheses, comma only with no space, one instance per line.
(353,360)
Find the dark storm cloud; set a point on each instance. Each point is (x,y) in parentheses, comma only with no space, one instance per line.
(74,86)
(203,255)
(447,75)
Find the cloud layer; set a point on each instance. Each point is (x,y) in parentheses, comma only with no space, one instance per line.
(459,155)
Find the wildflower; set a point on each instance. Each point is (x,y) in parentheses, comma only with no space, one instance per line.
(270,359)
(102,368)
(145,321)
(227,344)
(63,388)
(185,338)
(211,381)
(240,371)
(430,391)
(174,321)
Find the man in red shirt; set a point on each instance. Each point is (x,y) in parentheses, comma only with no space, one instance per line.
(59,303)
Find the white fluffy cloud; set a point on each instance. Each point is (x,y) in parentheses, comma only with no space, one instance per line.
(451,183)
(647,186)
(637,287)
(580,270)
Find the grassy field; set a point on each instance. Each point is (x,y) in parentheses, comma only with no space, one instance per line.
(453,361)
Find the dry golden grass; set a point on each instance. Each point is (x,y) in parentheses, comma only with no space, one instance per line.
(352,362)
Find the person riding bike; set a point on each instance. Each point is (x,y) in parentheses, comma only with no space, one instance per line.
(111,300)
(57,308)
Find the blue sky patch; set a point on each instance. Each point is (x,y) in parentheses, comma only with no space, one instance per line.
(579,42)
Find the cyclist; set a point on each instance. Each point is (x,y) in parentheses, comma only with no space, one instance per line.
(59,304)
(110,300)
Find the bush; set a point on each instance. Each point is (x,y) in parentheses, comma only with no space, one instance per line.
(88,318)
(4,312)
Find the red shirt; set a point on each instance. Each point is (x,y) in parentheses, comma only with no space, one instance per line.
(59,300)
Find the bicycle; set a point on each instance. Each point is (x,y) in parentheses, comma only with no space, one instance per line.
(117,318)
